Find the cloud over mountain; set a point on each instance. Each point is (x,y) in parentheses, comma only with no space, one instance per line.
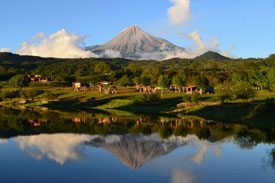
(60,45)
(5,50)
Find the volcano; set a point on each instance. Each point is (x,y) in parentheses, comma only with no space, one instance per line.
(134,43)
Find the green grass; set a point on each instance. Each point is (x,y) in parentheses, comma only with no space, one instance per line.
(129,100)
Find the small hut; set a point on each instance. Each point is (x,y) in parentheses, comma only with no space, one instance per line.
(77,86)
(100,85)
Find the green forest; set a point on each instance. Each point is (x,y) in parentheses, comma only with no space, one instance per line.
(203,70)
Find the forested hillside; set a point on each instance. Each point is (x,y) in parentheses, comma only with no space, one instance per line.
(259,72)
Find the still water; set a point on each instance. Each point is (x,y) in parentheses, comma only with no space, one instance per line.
(39,147)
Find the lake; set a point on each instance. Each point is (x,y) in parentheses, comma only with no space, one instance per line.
(54,146)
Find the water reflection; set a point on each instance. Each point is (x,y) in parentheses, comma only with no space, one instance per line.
(58,147)
(165,149)
(132,150)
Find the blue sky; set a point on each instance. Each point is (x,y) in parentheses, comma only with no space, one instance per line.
(247,24)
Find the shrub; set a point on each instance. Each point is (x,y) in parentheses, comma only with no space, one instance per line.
(180,131)
(19,81)
(245,91)
(164,132)
(28,94)
(8,94)
(151,98)
(186,98)
(50,96)
(196,98)
(203,133)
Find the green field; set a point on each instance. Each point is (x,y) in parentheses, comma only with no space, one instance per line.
(129,101)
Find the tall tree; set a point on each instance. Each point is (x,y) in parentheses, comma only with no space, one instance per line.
(19,81)
(163,82)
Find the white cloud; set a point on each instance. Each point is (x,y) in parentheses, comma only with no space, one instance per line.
(110,54)
(195,36)
(214,42)
(5,50)
(200,45)
(180,176)
(179,13)
(58,147)
(2,141)
(60,45)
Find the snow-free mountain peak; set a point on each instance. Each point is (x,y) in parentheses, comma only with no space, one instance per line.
(134,43)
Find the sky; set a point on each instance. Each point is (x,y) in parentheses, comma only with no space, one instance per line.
(242,28)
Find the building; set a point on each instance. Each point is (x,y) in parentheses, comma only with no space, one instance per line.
(38,78)
(101,85)
(77,86)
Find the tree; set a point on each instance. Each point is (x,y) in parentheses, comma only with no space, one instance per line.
(164,132)
(125,81)
(102,68)
(136,80)
(135,68)
(240,76)
(245,91)
(145,79)
(202,82)
(225,92)
(271,79)
(2,71)
(258,78)
(20,81)
(163,82)
(177,80)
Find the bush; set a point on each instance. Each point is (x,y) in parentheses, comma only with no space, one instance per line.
(28,94)
(165,132)
(186,98)
(8,94)
(50,96)
(19,81)
(270,101)
(203,133)
(151,98)
(245,91)
(180,131)
(196,98)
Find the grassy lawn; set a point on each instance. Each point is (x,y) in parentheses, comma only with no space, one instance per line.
(129,100)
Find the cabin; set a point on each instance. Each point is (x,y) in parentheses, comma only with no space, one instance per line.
(139,87)
(190,90)
(38,122)
(38,78)
(111,90)
(101,85)
(175,88)
(76,86)
(146,89)
(79,120)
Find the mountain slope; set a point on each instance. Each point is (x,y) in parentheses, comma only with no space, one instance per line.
(134,43)
(210,55)
(136,150)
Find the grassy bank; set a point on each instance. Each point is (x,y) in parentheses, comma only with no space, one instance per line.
(130,101)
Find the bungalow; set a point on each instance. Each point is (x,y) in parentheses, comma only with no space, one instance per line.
(175,88)
(77,86)
(38,78)
(111,90)
(101,85)
(194,89)
(190,90)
